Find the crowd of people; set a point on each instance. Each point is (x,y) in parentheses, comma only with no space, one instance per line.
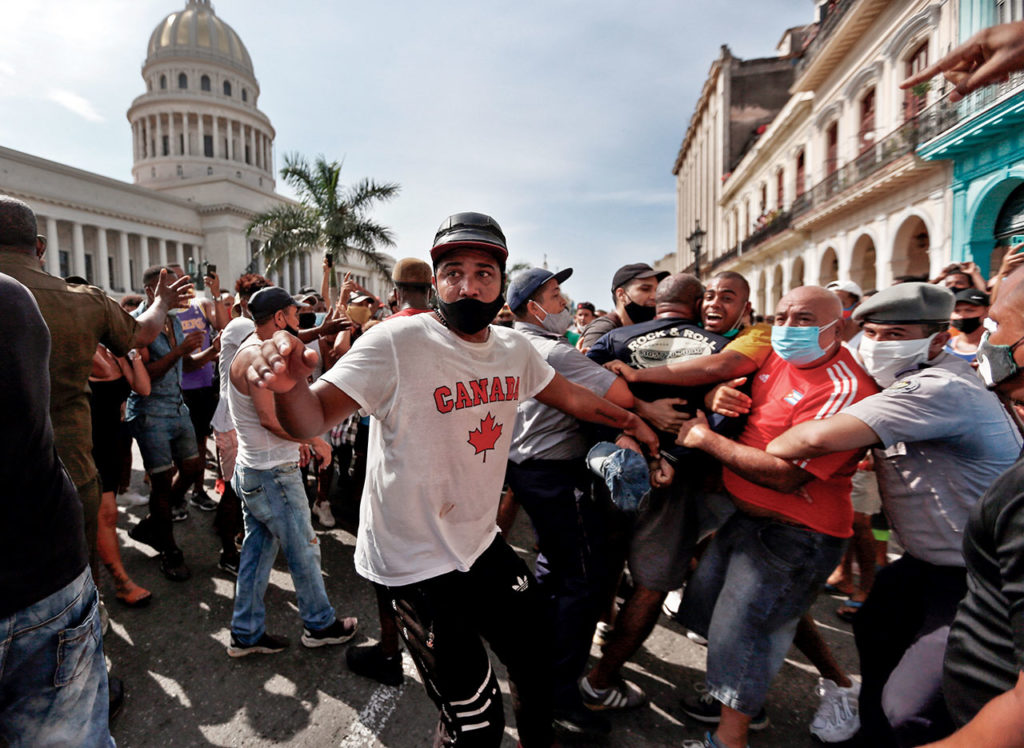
(675,453)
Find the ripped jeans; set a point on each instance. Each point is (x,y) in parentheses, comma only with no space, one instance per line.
(276,514)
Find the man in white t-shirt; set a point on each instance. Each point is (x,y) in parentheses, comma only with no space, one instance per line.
(442,390)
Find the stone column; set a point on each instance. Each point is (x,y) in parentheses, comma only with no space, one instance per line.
(286,277)
(77,250)
(125,262)
(179,253)
(216,135)
(160,136)
(52,256)
(172,140)
(257,156)
(251,142)
(202,135)
(162,252)
(102,255)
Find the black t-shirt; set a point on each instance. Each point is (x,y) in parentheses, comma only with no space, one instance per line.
(657,343)
(42,540)
(985,650)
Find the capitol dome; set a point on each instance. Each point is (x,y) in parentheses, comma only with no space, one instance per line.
(197,33)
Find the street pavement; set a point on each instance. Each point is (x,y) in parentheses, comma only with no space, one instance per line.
(183,689)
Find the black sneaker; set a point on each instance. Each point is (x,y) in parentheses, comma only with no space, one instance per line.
(370,661)
(266,644)
(575,723)
(229,562)
(338,632)
(705,708)
(143,533)
(202,501)
(179,513)
(172,566)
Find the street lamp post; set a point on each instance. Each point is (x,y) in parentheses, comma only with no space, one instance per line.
(696,242)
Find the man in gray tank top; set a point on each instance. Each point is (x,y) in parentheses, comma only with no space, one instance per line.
(274,504)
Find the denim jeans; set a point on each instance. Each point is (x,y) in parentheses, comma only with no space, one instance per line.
(53,679)
(276,513)
(757,578)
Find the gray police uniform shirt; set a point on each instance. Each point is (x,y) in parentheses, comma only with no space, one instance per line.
(544,433)
(945,440)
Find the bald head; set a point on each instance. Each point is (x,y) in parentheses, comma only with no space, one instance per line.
(18,227)
(679,294)
(814,301)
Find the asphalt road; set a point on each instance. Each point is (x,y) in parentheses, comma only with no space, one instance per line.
(183,689)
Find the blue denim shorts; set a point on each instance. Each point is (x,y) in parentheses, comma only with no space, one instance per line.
(164,440)
(757,578)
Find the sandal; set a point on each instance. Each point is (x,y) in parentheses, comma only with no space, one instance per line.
(848,610)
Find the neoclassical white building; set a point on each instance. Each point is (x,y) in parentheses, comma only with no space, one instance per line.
(832,188)
(203,167)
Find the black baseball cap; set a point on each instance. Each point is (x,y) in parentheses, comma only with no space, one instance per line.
(972,296)
(637,270)
(268,300)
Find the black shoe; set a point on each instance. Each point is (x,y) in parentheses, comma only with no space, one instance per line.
(338,632)
(143,533)
(706,709)
(229,562)
(172,566)
(179,513)
(580,722)
(202,501)
(370,661)
(266,644)
(115,690)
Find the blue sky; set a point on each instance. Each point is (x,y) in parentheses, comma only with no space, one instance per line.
(561,119)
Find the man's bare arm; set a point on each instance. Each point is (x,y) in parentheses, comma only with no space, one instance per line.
(747,462)
(1000,724)
(821,437)
(581,403)
(711,369)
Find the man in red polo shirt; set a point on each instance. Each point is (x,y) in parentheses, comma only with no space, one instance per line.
(767,563)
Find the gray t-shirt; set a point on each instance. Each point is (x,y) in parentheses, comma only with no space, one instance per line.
(543,433)
(945,440)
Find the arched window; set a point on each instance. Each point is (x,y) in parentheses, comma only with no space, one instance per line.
(182,80)
(245,95)
(204,83)
(800,173)
(913,102)
(780,187)
(867,119)
(832,148)
(227,88)
(163,81)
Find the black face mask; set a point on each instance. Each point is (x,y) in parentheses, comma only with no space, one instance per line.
(639,313)
(291,330)
(307,320)
(470,316)
(966,326)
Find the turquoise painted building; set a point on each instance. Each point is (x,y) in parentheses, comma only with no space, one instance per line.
(984,137)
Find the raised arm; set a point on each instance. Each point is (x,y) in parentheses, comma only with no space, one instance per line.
(168,295)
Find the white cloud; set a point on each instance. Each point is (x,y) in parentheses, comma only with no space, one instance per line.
(75,103)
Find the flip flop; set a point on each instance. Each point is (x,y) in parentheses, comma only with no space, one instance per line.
(848,610)
(831,589)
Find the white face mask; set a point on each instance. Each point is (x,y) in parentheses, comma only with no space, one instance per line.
(555,323)
(884,360)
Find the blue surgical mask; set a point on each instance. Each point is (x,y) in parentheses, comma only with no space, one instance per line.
(798,345)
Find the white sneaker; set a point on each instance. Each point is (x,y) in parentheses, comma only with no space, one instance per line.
(131,499)
(672,602)
(837,718)
(324,514)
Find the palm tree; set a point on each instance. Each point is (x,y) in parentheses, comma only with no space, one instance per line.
(329,216)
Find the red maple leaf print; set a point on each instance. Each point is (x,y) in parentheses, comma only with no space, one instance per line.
(484,437)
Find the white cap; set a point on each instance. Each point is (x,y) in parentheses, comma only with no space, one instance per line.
(847,286)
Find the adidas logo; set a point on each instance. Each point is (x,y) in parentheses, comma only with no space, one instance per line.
(521,584)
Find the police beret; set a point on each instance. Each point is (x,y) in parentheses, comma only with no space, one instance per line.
(907,303)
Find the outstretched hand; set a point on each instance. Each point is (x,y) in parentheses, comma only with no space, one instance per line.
(728,401)
(987,57)
(280,363)
(175,294)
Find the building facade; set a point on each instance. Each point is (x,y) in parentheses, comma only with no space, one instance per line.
(833,187)
(203,167)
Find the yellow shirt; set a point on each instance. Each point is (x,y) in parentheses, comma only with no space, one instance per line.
(754,342)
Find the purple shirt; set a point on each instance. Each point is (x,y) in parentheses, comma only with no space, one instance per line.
(192,320)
